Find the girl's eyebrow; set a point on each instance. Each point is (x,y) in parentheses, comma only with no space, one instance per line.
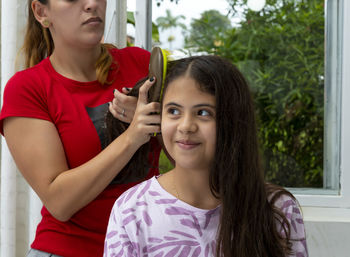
(195,106)
(204,105)
(172,103)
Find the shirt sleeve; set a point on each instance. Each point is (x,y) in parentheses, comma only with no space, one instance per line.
(24,96)
(117,241)
(292,212)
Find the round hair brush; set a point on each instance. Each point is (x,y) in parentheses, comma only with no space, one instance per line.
(157,68)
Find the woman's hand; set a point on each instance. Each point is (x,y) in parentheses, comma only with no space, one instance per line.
(146,119)
(123,106)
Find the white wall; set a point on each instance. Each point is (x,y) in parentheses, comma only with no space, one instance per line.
(328,239)
(327,231)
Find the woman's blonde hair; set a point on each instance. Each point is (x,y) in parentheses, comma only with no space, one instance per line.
(38,44)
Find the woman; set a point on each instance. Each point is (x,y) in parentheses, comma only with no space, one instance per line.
(53,118)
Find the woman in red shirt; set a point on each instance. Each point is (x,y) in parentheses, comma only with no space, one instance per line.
(53,122)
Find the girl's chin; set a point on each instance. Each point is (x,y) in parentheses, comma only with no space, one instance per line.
(190,165)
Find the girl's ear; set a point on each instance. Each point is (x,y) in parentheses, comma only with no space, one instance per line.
(40,13)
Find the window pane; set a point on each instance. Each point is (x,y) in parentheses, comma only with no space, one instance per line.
(280,47)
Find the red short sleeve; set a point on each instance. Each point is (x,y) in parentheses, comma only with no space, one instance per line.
(24,96)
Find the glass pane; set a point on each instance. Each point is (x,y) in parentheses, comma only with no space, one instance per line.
(279,46)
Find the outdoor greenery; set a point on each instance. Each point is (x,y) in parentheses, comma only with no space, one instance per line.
(155,32)
(280,49)
(170,22)
(207,32)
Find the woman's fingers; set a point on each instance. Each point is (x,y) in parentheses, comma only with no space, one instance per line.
(123,106)
(123,114)
(144,117)
(149,108)
(112,109)
(124,100)
(143,91)
(126,90)
(147,116)
(146,120)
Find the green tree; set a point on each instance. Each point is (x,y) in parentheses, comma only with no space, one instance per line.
(280,49)
(170,22)
(206,32)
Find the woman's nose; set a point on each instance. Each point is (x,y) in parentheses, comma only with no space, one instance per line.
(91,5)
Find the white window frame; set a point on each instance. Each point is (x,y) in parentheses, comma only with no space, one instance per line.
(323,206)
(333,202)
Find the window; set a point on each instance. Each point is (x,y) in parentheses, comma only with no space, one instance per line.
(281,49)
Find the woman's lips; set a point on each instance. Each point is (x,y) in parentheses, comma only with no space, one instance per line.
(93,20)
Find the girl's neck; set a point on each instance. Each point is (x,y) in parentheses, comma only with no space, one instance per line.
(190,186)
(77,64)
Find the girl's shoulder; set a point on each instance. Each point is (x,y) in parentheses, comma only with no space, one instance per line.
(280,197)
(136,195)
(288,205)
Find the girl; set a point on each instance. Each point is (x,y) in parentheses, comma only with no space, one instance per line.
(53,118)
(215,201)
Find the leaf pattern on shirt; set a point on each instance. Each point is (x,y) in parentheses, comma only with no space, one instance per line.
(186,236)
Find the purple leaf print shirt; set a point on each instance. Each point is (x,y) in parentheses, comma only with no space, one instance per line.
(148,221)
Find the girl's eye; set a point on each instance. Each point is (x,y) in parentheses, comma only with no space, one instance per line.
(173,111)
(203,113)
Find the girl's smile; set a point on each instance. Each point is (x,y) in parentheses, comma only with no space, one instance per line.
(187,144)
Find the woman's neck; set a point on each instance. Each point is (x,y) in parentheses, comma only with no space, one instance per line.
(190,186)
(77,64)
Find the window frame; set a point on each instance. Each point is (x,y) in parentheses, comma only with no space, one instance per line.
(336,194)
(340,79)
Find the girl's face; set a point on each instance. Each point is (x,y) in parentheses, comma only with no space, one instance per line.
(76,22)
(188,124)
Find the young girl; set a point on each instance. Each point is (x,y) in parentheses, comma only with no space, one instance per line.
(215,201)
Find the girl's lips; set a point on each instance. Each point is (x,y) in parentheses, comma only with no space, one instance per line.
(187,145)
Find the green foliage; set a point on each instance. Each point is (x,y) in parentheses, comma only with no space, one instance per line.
(155,32)
(169,22)
(205,31)
(280,49)
(164,163)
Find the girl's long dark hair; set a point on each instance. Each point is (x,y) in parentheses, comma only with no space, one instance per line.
(138,166)
(249,218)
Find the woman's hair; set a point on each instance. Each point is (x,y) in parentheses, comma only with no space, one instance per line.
(248,215)
(38,44)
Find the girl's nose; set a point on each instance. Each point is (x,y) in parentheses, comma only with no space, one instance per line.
(187,124)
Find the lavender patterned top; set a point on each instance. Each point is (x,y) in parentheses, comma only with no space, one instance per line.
(148,221)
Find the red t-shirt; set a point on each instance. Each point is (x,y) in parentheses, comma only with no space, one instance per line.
(77,109)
